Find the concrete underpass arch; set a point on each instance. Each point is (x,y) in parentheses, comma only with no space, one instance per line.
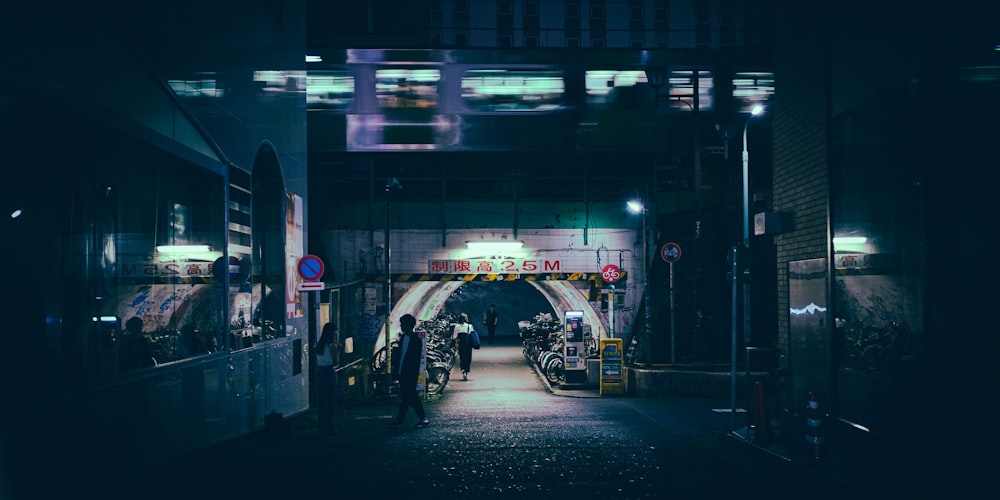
(425,299)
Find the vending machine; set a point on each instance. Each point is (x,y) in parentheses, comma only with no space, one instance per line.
(573,347)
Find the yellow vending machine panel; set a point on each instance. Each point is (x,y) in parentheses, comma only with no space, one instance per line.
(612,377)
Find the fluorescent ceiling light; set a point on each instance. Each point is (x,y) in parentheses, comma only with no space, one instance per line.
(15,214)
(313,59)
(494,246)
(849,240)
(174,249)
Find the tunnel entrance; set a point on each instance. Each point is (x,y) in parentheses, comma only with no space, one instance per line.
(516,300)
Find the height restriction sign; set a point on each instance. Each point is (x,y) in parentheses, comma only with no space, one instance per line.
(671,252)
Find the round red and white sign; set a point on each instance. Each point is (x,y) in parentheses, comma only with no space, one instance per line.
(611,273)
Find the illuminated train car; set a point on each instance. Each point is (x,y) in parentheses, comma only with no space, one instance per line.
(368,100)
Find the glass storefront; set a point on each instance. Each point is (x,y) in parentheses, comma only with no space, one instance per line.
(878,263)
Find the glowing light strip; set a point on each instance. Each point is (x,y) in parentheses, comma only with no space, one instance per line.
(175,249)
(848,240)
(494,246)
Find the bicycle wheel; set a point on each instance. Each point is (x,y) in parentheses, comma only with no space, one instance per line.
(437,379)
(554,370)
(377,364)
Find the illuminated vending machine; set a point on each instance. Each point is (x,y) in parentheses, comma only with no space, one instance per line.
(575,364)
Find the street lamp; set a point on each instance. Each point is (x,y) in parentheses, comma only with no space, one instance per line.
(756,110)
(637,207)
(737,256)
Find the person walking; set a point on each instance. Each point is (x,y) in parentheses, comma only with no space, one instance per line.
(411,373)
(326,350)
(490,319)
(462,335)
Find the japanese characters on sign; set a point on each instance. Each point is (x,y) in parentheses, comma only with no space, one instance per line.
(495,266)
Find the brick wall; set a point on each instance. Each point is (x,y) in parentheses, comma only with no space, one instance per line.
(800,164)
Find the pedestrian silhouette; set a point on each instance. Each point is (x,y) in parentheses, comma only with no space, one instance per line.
(462,333)
(134,350)
(412,373)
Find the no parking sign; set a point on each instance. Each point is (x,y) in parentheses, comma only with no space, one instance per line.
(311,270)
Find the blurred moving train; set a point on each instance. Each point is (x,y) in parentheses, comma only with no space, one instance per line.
(481,100)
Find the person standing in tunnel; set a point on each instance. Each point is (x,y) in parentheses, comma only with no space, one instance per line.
(412,364)
(490,319)
(462,335)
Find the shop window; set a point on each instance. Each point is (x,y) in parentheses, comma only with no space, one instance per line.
(143,252)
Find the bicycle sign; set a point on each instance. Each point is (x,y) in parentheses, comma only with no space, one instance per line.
(611,273)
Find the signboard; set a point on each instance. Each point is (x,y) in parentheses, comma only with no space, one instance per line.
(612,379)
(312,286)
(670,252)
(310,268)
(611,273)
(494,266)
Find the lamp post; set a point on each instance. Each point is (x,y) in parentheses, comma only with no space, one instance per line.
(757,109)
(737,258)
(637,207)
(390,184)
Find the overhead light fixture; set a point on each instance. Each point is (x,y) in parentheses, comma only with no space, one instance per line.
(15,214)
(494,246)
(185,249)
(635,206)
(310,59)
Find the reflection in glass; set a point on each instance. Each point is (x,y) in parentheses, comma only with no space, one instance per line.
(157,229)
(513,90)
(197,87)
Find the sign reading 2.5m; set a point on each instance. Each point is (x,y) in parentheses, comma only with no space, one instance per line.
(495,266)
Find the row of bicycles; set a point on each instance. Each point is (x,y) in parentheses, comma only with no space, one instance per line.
(542,339)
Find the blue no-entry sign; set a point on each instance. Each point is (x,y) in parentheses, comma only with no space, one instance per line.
(310,268)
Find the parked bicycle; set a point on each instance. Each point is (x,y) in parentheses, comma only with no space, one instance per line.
(542,340)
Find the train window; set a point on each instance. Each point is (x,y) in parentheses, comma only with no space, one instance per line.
(600,84)
(329,89)
(513,90)
(681,83)
(750,88)
(398,88)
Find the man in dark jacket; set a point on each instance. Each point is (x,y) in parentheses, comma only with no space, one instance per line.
(412,359)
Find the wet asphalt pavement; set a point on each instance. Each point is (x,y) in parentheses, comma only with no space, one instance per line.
(499,434)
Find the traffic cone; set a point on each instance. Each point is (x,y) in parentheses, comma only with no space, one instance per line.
(760,422)
(814,426)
